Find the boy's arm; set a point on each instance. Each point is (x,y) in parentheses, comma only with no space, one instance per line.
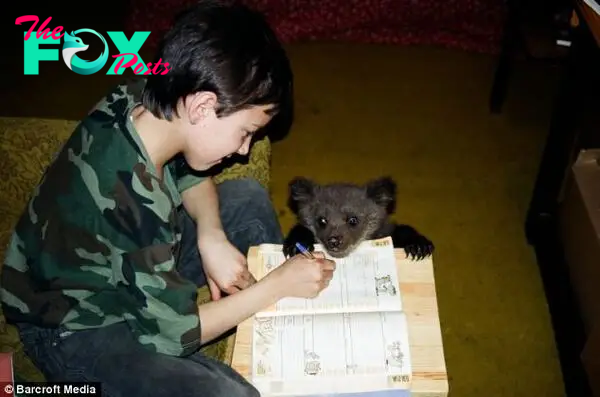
(200,197)
(201,201)
(219,316)
(169,317)
(224,265)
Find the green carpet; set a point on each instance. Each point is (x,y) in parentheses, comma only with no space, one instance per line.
(464,177)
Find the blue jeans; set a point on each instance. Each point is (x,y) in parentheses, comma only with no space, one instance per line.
(112,356)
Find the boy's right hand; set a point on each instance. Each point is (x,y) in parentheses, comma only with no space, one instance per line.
(301,277)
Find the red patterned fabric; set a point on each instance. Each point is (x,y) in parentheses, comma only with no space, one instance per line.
(472,25)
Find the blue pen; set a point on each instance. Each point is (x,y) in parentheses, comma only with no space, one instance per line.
(304,251)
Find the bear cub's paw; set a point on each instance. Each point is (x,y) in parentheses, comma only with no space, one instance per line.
(418,247)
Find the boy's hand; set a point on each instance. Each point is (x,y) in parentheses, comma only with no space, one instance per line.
(225,266)
(301,277)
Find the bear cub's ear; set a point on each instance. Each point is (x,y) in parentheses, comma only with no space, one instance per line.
(383,192)
(301,191)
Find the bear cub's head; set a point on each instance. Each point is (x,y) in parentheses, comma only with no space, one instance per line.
(342,215)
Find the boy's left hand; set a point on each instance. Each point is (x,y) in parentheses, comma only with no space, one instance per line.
(225,266)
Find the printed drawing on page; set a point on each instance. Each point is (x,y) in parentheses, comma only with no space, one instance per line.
(385,285)
(264,338)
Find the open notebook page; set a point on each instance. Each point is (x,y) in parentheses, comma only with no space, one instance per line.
(364,281)
(331,353)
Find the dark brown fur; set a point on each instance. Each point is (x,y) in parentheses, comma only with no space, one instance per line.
(342,215)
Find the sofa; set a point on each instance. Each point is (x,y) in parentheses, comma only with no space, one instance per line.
(26,147)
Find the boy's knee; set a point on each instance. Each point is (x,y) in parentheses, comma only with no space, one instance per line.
(247,212)
(248,188)
(233,387)
(247,196)
(255,189)
(251,391)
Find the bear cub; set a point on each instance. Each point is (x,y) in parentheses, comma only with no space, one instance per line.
(342,215)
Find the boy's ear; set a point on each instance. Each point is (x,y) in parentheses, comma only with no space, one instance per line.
(383,192)
(301,190)
(200,106)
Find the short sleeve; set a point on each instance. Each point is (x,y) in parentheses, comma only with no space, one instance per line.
(185,176)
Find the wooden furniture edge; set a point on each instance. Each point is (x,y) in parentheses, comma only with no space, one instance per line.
(425,384)
(230,347)
(592,19)
(430,383)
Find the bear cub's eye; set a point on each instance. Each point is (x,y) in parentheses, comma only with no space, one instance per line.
(322,221)
(352,221)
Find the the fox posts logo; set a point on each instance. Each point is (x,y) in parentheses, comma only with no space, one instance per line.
(128,56)
(73,44)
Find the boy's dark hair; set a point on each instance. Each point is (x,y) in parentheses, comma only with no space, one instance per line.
(224,48)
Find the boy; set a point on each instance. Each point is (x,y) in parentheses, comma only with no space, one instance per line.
(103,267)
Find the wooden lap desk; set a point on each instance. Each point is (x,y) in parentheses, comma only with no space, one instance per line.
(419,300)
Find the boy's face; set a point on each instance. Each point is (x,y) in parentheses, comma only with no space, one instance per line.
(209,139)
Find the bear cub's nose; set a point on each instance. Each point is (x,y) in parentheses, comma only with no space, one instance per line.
(334,241)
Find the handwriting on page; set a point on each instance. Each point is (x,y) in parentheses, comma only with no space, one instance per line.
(362,282)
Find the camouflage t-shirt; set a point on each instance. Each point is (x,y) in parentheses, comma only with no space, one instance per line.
(98,241)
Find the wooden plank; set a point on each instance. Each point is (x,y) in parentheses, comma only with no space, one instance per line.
(417,285)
